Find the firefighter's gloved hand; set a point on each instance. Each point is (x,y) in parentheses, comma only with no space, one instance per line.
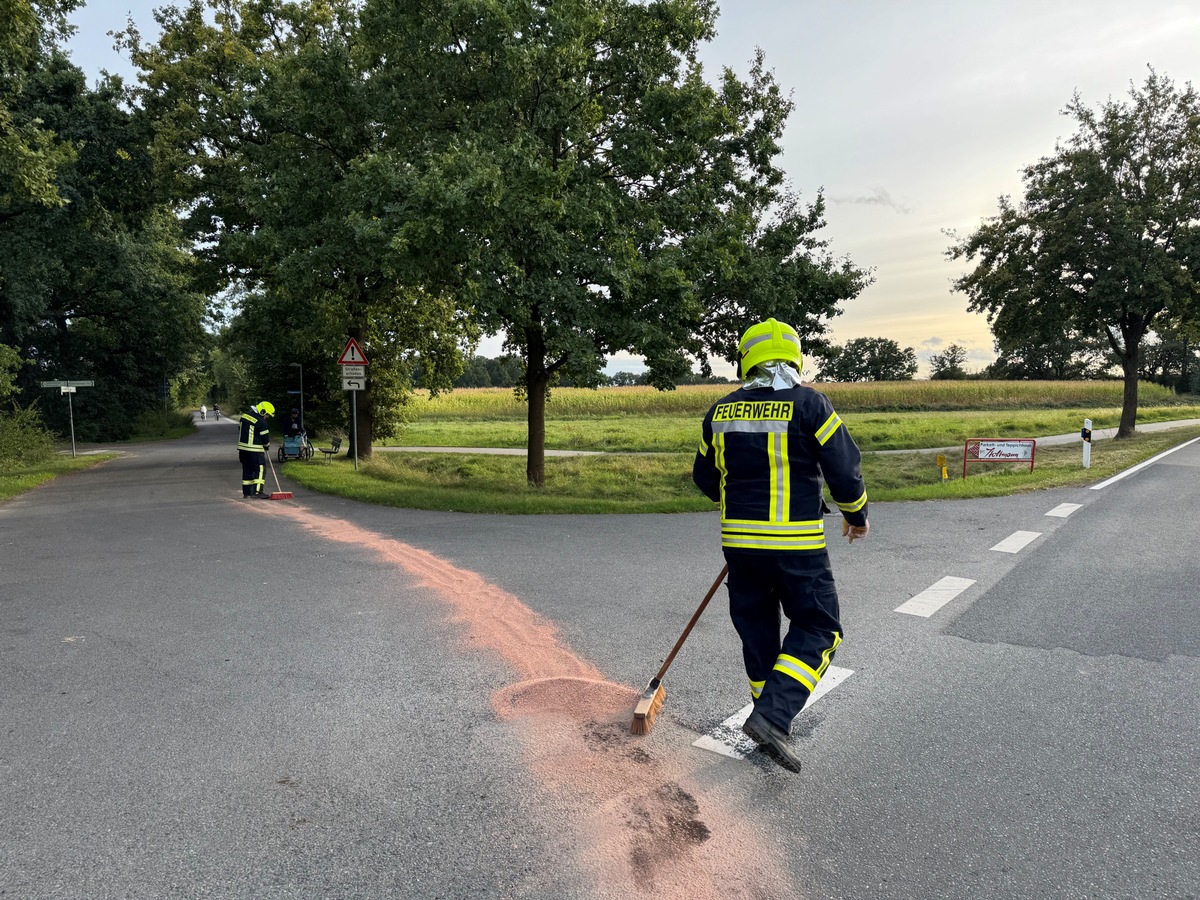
(855,532)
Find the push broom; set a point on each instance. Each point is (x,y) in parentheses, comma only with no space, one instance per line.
(280,493)
(651,702)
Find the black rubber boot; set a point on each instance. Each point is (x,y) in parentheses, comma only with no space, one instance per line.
(772,740)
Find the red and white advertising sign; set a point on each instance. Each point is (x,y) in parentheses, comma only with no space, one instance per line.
(1013,450)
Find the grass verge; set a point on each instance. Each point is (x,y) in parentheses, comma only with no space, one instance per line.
(660,483)
(17,479)
(915,476)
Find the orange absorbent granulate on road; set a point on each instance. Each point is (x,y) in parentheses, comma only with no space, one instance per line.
(647,832)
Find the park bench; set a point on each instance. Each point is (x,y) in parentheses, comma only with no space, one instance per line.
(331,451)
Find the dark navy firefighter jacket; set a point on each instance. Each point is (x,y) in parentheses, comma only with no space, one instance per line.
(253,435)
(763,455)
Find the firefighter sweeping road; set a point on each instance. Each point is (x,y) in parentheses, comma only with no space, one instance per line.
(204,696)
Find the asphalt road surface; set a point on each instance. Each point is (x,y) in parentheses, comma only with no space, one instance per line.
(206,697)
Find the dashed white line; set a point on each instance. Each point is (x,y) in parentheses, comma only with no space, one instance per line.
(727,738)
(1017,541)
(935,597)
(1064,509)
(1141,465)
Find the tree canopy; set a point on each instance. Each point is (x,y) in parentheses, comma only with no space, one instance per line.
(1106,241)
(867,359)
(948,365)
(415,175)
(265,119)
(30,154)
(95,281)
(567,172)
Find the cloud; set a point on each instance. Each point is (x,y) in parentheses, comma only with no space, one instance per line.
(878,197)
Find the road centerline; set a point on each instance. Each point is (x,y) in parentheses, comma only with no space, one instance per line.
(934,597)
(1064,509)
(1017,541)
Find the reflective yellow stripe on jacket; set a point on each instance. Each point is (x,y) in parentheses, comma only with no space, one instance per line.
(246,434)
(778,533)
(746,535)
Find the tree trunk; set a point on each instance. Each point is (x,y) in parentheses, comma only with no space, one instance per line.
(1129,401)
(536,379)
(362,440)
(535,465)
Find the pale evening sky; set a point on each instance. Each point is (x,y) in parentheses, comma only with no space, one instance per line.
(913,117)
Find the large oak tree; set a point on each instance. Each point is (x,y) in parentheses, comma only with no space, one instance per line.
(1106,241)
(560,173)
(566,169)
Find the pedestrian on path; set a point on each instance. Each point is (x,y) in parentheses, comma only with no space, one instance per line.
(763,454)
(254,442)
(203,412)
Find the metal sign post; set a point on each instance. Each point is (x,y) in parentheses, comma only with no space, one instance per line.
(70,414)
(68,388)
(354,379)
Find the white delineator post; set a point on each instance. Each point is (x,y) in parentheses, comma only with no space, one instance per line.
(1086,434)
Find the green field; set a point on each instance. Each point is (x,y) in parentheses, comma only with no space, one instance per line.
(650,437)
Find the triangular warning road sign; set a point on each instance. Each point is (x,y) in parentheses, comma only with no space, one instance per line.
(352,355)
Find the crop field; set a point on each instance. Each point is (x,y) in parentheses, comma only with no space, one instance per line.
(881,416)
(887,396)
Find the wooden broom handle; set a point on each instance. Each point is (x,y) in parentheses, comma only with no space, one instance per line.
(695,616)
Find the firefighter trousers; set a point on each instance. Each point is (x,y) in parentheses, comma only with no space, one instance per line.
(763,587)
(253,471)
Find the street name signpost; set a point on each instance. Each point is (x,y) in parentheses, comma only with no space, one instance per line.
(68,388)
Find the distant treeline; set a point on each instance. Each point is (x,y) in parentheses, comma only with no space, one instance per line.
(506,371)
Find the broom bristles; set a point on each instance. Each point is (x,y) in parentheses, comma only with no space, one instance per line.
(281,495)
(648,707)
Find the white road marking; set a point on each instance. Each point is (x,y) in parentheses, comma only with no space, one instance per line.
(1141,465)
(1064,509)
(1017,541)
(935,596)
(727,738)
